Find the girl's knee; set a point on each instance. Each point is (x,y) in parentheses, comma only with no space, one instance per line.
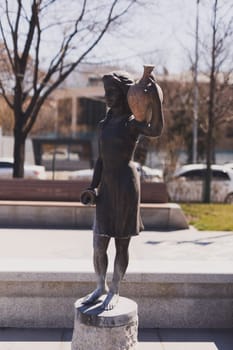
(122,245)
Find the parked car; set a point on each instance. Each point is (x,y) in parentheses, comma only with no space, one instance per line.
(60,154)
(30,171)
(186,185)
(82,175)
(146,174)
(229,165)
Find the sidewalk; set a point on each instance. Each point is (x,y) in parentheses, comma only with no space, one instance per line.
(148,339)
(163,246)
(183,251)
(186,250)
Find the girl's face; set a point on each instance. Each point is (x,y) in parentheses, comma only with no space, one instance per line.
(113,94)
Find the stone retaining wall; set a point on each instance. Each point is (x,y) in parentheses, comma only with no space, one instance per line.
(165,300)
(37,214)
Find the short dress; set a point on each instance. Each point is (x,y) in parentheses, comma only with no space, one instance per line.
(118,199)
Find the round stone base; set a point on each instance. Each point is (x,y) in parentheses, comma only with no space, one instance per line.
(97,329)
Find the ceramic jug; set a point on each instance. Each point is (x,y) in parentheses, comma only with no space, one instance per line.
(144,95)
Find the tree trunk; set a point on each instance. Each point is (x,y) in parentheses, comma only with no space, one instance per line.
(211,112)
(209,141)
(207,180)
(19,153)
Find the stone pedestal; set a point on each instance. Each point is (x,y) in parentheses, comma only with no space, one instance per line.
(96,329)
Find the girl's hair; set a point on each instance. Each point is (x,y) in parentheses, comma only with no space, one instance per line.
(122,79)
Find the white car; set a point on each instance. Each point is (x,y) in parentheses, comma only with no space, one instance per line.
(149,174)
(146,174)
(82,175)
(60,154)
(229,165)
(30,171)
(186,184)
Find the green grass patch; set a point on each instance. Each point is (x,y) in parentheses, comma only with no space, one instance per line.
(210,217)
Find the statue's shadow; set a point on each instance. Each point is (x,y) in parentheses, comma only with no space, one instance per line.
(93,309)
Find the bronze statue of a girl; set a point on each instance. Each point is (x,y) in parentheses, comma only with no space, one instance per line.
(117,183)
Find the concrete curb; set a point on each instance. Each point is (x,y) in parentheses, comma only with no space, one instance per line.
(41,293)
(164,216)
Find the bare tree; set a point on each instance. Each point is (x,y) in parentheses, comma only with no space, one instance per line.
(54,34)
(219,108)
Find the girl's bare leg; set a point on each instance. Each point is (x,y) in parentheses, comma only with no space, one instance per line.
(100,260)
(120,266)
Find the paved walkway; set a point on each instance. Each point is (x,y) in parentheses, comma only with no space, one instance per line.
(148,339)
(149,245)
(185,250)
(174,251)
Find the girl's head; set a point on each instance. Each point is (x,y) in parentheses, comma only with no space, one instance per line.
(116,86)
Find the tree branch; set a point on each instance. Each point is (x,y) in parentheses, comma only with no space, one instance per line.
(7,47)
(32,25)
(4,95)
(66,41)
(63,74)
(37,49)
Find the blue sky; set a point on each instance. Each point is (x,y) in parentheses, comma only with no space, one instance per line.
(158,33)
(162,32)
